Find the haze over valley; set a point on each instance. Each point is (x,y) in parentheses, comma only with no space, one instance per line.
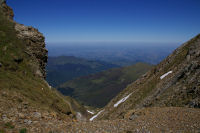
(122,54)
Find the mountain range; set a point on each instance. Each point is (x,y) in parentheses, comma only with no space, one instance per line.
(120,54)
(63,68)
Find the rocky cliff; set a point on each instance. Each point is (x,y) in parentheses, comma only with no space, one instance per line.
(27,102)
(35,47)
(34,41)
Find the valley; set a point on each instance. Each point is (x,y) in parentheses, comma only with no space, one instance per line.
(64,68)
(98,89)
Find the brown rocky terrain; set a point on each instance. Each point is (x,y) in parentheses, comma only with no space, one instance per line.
(168,119)
(18,114)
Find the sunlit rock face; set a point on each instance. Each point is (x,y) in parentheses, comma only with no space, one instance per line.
(35,41)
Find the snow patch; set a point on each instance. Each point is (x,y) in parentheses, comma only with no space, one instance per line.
(122,100)
(78,116)
(164,75)
(91,119)
(90,112)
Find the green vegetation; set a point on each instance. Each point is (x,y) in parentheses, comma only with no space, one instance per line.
(16,73)
(2,131)
(63,68)
(98,89)
(24,130)
(9,125)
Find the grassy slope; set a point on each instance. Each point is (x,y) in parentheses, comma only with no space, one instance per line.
(63,68)
(98,89)
(19,78)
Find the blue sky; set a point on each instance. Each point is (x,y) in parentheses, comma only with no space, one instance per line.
(111,20)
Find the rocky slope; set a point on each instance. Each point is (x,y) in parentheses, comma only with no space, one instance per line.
(155,120)
(173,82)
(25,97)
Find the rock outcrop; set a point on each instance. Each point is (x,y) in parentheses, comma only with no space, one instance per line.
(35,46)
(35,41)
(6,9)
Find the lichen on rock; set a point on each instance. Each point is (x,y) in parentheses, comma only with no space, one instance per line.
(35,46)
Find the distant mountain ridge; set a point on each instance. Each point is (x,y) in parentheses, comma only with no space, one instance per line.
(121,54)
(63,68)
(98,89)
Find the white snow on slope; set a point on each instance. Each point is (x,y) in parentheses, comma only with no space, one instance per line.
(90,112)
(78,115)
(91,119)
(122,100)
(164,75)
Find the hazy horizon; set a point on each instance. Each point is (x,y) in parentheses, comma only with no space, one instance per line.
(125,54)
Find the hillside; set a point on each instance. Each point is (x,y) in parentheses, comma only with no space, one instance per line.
(98,89)
(63,68)
(172,83)
(26,100)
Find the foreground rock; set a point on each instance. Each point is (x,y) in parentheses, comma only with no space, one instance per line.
(15,117)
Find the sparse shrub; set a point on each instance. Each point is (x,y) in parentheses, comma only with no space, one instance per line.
(19,100)
(23,130)
(2,131)
(9,125)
